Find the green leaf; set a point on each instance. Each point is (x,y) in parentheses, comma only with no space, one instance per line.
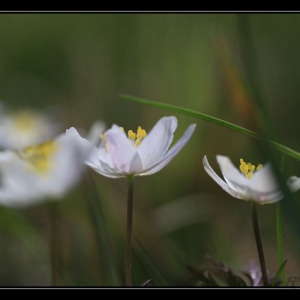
(214,120)
(278,273)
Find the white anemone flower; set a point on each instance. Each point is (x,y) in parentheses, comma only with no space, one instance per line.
(24,127)
(45,171)
(137,153)
(252,183)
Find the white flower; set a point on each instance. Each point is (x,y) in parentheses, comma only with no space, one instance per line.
(249,183)
(121,154)
(44,171)
(25,127)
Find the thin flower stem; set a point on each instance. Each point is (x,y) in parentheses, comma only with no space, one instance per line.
(128,279)
(279,242)
(259,245)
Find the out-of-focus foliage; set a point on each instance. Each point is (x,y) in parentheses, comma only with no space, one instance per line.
(77,65)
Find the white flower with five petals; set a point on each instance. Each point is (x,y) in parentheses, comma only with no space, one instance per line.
(249,183)
(137,153)
(44,171)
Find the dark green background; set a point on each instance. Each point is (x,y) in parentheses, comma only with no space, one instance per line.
(80,63)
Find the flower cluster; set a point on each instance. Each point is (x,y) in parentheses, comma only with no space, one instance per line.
(38,163)
(49,169)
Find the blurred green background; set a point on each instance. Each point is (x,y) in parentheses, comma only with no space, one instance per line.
(80,63)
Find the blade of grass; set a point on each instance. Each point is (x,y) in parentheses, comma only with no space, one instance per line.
(278,273)
(205,117)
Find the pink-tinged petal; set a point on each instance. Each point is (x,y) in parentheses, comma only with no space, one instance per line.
(157,141)
(219,180)
(100,161)
(172,152)
(123,153)
(103,169)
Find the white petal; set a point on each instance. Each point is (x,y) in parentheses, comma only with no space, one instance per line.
(157,141)
(123,154)
(172,152)
(97,128)
(294,183)
(264,180)
(23,185)
(219,180)
(234,178)
(104,169)
(261,188)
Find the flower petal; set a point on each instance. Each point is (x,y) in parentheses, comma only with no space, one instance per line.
(123,154)
(97,128)
(294,183)
(219,180)
(234,178)
(172,152)
(264,180)
(157,142)
(24,183)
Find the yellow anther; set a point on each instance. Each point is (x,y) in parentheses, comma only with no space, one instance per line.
(38,157)
(249,175)
(248,169)
(141,133)
(259,167)
(102,136)
(122,128)
(131,135)
(138,136)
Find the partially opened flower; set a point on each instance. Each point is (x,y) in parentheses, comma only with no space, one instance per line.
(44,171)
(24,127)
(137,153)
(249,182)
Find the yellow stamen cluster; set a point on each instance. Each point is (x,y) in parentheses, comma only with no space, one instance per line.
(138,136)
(248,169)
(38,156)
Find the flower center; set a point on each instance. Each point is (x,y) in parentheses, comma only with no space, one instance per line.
(24,121)
(38,156)
(135,137)
(248,169)
(138,136)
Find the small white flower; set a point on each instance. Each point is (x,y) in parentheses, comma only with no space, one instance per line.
(249,183)
(25,127)
(137,153)
(44,171)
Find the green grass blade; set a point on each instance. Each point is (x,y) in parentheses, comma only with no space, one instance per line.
(214,120)
(281,268)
